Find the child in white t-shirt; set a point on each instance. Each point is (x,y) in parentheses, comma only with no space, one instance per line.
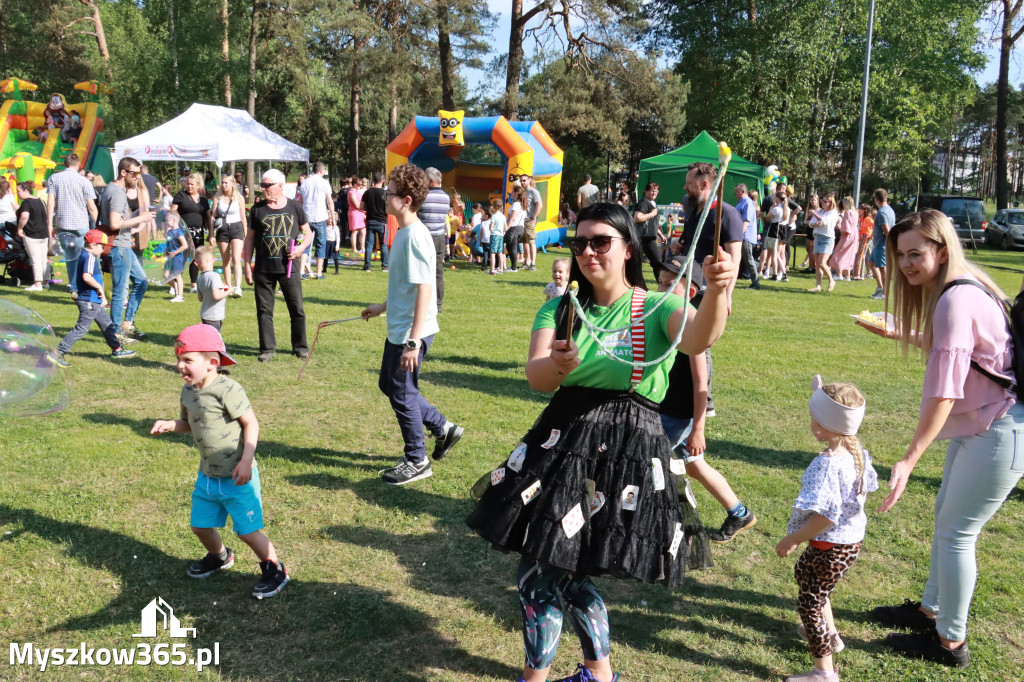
(498,224)
(559,279)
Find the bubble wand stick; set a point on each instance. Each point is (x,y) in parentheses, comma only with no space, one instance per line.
(570,318)
(724,155)
(291,246)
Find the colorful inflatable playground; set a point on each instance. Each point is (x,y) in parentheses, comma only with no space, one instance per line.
(524,147)
(36,136)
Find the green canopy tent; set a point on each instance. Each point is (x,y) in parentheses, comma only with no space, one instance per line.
(669,170)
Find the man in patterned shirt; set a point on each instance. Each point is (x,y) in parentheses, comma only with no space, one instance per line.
(71,208)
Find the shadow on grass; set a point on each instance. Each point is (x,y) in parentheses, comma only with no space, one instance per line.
(137,361)
(472,361)
(506,387)
(453,563)
(795,459)
(361,625)
(318,300)
(265,449)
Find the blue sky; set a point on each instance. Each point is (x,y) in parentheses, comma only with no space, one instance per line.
(499,39)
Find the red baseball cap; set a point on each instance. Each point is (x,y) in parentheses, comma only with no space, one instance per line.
(95,237)
(202,338)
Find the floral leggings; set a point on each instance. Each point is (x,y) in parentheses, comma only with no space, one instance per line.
(817,573)
(543,590)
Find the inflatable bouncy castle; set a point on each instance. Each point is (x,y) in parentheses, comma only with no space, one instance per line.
(524,147)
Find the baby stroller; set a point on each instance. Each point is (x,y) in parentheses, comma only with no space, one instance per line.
(17,267)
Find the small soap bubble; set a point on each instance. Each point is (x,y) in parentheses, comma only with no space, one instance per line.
(214,603)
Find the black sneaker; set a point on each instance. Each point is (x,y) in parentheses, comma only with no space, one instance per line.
(61,360)
(210,564)
(907,615)
(407,472)
(928,646)
(732,526)
(301,354)
(266,356)
(275,577)
(446,442)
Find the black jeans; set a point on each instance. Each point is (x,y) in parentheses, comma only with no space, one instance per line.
(649,245)
(440,249)
(512,237)
(264,285)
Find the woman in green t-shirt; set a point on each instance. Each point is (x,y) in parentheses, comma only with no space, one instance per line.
(589,489)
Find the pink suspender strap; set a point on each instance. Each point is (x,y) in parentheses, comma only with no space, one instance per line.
(636,331)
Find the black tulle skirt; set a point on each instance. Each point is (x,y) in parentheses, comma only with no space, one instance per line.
(590,490)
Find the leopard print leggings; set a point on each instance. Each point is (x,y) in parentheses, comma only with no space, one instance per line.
(817,573)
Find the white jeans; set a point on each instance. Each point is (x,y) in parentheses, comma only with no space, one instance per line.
(37,249)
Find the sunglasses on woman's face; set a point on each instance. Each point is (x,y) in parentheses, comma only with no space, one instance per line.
(599,244)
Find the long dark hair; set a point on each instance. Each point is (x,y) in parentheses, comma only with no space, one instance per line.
(620,219)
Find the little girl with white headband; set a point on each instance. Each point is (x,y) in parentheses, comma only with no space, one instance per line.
(829,515)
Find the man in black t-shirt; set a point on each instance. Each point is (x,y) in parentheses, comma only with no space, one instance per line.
(646,219)
(278,233)
(699,180)
(376,221)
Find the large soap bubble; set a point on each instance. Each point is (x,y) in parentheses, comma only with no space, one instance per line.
(68,246)
(178,249)
(31,381)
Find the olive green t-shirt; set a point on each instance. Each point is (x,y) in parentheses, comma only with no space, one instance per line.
(213,414)
(596,369)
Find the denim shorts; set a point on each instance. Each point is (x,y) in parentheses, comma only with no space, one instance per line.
(823,243)
(678,430)
(214,498)
(878,254)
(319,244)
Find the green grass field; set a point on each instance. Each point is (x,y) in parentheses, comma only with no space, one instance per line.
(389,584)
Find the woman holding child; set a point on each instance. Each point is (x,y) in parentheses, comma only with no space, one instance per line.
(946,307)
(589,490)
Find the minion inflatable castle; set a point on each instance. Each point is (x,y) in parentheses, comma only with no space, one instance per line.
(524,147)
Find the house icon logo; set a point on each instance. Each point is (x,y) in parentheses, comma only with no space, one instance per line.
(150,619)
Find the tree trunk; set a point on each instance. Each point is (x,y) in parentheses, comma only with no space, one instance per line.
(1006,41)
(355,100)
(444,48)
(101,37)
(225,55)
(174,44)
(254,26)
(393,114)
(510,102)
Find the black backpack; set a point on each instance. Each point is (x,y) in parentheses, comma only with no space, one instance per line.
(1014,314)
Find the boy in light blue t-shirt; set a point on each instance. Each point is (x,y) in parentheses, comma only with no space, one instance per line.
(412,322)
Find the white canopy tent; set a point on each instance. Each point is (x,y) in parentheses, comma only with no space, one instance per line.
(210,133)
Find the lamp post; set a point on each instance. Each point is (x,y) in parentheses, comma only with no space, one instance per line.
(863,106)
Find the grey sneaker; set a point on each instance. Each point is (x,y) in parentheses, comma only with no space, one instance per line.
(61,360)
(878,295)
(407,472)
(122,353)
(834,639)
(125,340)
(129,330)
(266,356)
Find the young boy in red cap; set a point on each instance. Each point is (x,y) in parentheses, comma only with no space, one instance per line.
(91,301)
(215,409)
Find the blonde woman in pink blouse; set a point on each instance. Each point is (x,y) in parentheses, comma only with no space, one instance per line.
(845,253)
(963,336)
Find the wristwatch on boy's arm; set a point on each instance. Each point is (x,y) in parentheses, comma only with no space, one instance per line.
(413,344)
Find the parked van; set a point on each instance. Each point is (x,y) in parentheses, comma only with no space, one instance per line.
(967,213)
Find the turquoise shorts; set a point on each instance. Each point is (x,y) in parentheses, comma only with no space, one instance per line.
(214,498)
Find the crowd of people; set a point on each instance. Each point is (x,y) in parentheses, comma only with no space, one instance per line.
(600,484)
